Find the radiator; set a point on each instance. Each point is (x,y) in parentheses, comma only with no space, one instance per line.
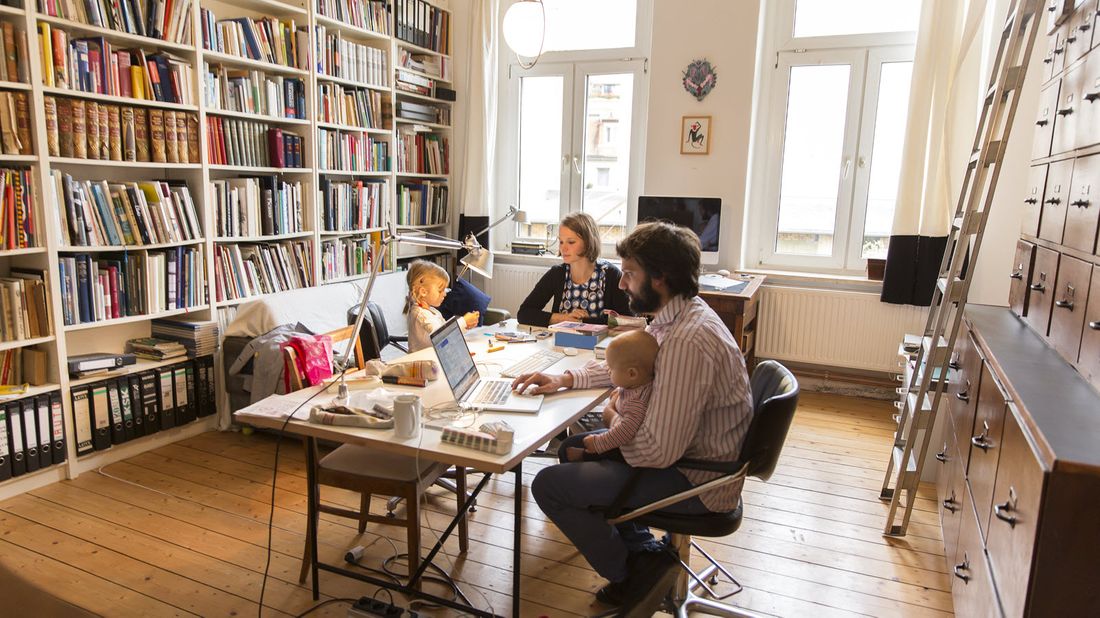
(511,283)
(851,330)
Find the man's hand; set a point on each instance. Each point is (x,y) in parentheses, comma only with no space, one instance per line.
(543,383)
(574,453)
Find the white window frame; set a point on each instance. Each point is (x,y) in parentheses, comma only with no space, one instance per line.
(865,53)
(574,67)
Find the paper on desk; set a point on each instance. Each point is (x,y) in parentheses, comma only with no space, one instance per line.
(711,281)
(278,407)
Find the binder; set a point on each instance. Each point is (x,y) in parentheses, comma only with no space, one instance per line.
(133,386)
(183,402)
(5,448)
(101,417)
(114,408)
(45,429)
(204,386)
(57,423)
(123,386)
(30,432)
(15,439)
(166,397)
(192,394)
(150,401)
(83,419)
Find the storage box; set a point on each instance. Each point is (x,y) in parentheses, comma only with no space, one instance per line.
(578,334)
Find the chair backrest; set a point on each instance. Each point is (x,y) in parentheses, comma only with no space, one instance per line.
(294,379)
(339,346)
(374,335)
(775,398)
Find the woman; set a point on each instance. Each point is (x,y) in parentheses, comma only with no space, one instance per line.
(582,286)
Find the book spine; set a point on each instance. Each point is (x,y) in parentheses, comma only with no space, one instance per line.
(156,135)
(141,133)
(170,137)
(128,134)
(92,124)
(23,123)
(115,131)
(104,132)
(79,130)
(53,144)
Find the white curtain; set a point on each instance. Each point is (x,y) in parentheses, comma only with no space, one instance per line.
(480,89)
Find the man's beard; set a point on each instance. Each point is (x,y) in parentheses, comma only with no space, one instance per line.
(647,300)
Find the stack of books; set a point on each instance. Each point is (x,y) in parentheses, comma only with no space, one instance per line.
(578,334)
(154,348)
(198,338)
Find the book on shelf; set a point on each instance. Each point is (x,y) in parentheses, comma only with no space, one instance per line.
(266,39)
(19,225)
(424,112)
(199,338)
(24,308)
(345,59)
(351,152)
(431,65)
(154,348)
(81,129)
(168,20)
(243,270)
(256,206)
(346,257)
(423,25)
(354,205)
(373,15)
(422,153)
(357,107)
(13,43)
(15,136)
(421,203)
(252,91)
(250,143)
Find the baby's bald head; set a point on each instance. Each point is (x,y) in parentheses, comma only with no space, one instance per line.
(631,357)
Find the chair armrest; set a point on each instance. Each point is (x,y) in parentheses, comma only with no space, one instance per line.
(400,342)
(680,497)
(732,471)
(494,315)
(727,467)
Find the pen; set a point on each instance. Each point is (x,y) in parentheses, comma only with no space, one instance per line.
(404,380)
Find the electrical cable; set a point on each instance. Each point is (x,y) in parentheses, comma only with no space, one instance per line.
(324,603)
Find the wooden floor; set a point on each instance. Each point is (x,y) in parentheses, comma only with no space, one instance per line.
(182,530)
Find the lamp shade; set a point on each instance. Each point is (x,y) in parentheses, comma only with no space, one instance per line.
(524,27)
(479,260)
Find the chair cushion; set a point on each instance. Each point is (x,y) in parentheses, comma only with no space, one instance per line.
(366,461)
(709,525)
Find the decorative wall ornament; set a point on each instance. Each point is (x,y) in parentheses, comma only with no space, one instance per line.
(700,77)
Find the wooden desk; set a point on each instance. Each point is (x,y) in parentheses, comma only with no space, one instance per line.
(558,412)
(738,311)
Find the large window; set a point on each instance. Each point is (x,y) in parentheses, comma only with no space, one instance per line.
(574,122)
(835,101)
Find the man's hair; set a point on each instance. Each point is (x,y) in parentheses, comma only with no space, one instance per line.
(582,224)
(665,251)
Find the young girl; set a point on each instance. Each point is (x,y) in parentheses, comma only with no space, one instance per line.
(427,289)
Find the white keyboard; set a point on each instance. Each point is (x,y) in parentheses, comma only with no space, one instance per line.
(536,362)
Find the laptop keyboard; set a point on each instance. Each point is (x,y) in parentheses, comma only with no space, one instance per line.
(494,393)
(536,362)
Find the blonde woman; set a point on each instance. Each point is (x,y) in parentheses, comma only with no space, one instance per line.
(582,286)
(427,289)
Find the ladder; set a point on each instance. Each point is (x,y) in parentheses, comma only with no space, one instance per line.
(926,379)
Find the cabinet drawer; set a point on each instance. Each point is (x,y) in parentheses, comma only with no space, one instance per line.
(1070,296)
(1021,277)
(1041,289)
(971,583)
(1055,200)
(1088,125)
(1036,182)
(1083,212)
(1012,530)
(1044,121)
(962,393)
(985,447)
(953,498)
(1068,111)
(1089,360)
(1079,35)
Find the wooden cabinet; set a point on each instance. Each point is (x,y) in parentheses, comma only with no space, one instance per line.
(1033,197)
(1022,265)
(1040,290)
(1068,314)
(738,312)
(1083,211)
(1055,199)
(1089,359)
(984,444)
(1068,111)
(1044,121)
(971,585)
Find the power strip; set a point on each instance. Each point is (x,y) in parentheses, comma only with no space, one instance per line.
(367,607)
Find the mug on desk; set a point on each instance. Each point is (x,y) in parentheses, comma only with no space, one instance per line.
(406,416)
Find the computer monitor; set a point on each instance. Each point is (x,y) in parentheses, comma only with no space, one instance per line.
(702,215)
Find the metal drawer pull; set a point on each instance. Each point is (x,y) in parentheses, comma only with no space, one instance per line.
(949,505)
(942,455)
(1058,50)
(1002,512)
(1084,27)
(1048,60)
(1038,287)
(1053,201)
(1065,112)
(981,442)
(963,395)
(1080,203)
(1094,325)
(1016,274)
(962,566)
(1092,96)
(1064,304)
(1071,39)
(1031,200)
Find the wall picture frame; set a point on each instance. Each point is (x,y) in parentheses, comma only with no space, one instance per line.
(695,135)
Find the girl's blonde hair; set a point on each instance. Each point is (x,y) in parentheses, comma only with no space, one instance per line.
(420,272)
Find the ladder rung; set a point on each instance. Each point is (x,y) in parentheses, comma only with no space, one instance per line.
(956,289)
(968,223)
(910,465)
(934,354)
(1011,83)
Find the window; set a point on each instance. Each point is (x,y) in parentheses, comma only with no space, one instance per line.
(573,122)
(836,95)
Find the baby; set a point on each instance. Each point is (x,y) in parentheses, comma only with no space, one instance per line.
(630,361)
(427,289)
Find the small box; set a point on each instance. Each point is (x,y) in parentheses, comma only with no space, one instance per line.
(578,334)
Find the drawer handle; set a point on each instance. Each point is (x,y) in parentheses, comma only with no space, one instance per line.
(1064,304)
(1084,27)
(942,455)
(949,505)
(1002,512)
(1092,96)
(1048,60)
(1059,50)
(962,566)
(1071,39)
(1031,200)
(1094,325)
(1053,201)
(1042,123)
(963,395)
(1080,203)
(1065,112)
(1038,287)
(1016,274)
(981,442)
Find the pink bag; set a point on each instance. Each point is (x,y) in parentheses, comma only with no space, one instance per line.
(314,356)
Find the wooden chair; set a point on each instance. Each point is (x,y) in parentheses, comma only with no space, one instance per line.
(367,472)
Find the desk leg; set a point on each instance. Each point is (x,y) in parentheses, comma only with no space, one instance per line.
(516,535)
(312,499)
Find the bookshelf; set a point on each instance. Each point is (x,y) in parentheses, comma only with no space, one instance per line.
(391,83)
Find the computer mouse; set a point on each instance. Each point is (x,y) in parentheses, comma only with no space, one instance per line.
(569,351)
(723,272)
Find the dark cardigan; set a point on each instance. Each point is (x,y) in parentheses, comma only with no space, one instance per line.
(551,286)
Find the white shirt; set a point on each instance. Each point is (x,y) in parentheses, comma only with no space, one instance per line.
(423,321)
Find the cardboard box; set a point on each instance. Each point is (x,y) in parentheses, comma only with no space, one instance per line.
(578,334)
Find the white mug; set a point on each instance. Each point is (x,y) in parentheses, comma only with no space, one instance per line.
(406,416)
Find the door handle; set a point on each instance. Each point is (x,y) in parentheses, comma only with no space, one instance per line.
(576,164)
(962,566)
(1064,304)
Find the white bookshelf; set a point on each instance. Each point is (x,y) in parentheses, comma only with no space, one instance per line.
(110,335)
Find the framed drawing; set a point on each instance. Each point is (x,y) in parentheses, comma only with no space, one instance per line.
(695,135)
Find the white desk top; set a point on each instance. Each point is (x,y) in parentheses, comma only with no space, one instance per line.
(558,410)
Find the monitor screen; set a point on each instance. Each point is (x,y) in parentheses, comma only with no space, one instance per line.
(702,215)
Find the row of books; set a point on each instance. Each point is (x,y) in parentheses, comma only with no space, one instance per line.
(420,23)
(125,408)
(422,153)
(168,20)
(23,366)
(357,107)
(267,39)
(15,123)
(347,257)
(254,92)
(15,66)
(199,338)
(414,83)
(351,206)
(424,112)
(95,65)
(351,152)
(345,59)
(32,434)
(107,286)
(19,227)
(24,312)
(249,207)
(90,130)
(429,64)
(421,203)
(373,15)
(241,270)
(252,144)
(98,213)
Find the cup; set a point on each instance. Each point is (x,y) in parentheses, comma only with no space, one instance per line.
(406,416)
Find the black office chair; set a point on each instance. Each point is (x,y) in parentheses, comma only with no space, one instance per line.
(775,397)
(375,334)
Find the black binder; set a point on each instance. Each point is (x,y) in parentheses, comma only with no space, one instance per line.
(114,406)
(15,438)
(123,387)
(183,402)
(83,420)
(167,397)
(30,432)
(209,393)
(45,443)
(150,401)
(192,394)
(5,446)
(133,386)
(57,424)
(101,413)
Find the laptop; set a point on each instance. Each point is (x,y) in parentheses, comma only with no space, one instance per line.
(469,388)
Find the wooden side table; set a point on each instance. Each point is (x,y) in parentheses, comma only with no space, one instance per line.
(738,312)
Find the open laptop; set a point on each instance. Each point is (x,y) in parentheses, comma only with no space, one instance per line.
(469,388)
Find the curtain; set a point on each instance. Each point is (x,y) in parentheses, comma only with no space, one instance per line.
(942,102)
(480,90)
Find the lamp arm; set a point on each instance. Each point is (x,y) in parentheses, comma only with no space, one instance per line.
(376,267)
(512,210)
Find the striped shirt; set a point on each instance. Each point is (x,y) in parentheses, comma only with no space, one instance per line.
(701,404)
(630,408)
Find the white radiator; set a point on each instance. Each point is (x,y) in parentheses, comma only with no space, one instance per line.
(852,330)
(511,283)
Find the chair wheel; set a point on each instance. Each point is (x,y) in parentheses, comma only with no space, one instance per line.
(713,580)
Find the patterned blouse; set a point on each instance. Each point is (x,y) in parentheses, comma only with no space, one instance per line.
(587,295)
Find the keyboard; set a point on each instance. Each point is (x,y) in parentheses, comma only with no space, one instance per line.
(495,393)
(536,362)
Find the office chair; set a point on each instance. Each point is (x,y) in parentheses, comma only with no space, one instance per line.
(775,398)
(375,335)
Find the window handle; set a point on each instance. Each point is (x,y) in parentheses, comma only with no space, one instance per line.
(576,164)
(862,162)
(847,168)
(565,164)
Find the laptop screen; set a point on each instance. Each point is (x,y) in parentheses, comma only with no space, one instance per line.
(454,357)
